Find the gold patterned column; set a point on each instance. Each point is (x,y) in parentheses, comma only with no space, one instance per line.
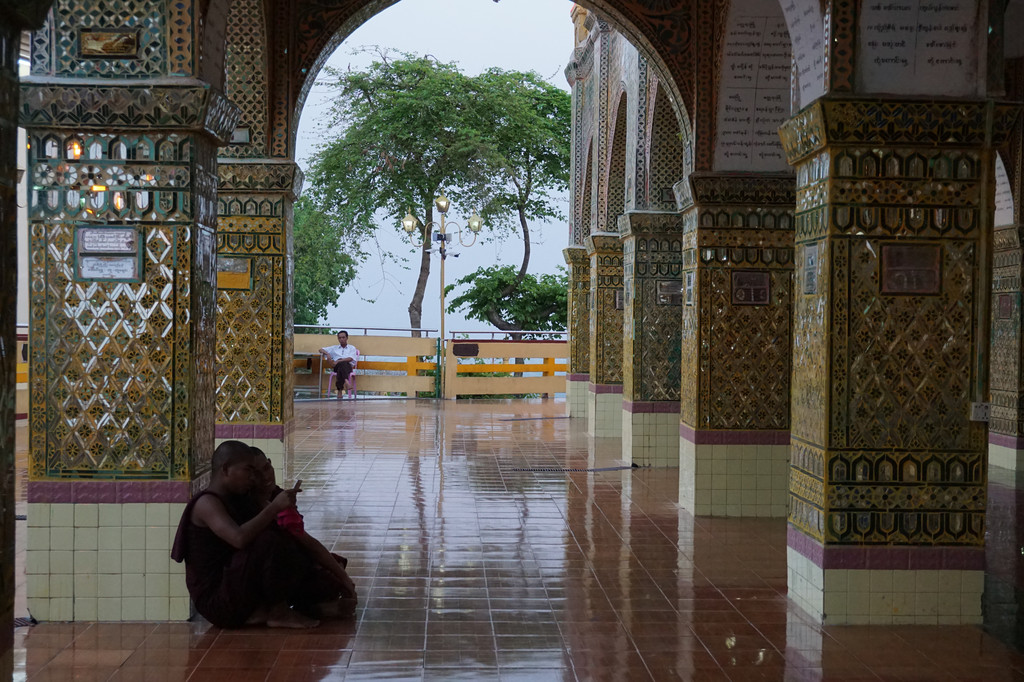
(652,257)
(736,343)
(604,394)
(254,303)
(1006,423)
(577,379)
(123,174)
(15,16)
(888,476)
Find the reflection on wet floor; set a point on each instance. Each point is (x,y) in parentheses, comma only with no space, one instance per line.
(495,541)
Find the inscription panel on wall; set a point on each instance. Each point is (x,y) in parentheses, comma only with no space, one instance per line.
(913,269)
(811,269)
(754,96)
(751,287)
(107,254)
(917,47)
(803,17)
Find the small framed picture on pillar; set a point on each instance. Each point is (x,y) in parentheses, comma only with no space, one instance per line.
(911,269)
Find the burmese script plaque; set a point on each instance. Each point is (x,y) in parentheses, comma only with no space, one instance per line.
(669,292)
(750,287)
(118,268)
(911,269)
(1005,306)
(811,269)
(107,240)
(121,42)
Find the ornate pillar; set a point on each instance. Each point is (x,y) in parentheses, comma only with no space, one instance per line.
(15,16)
(123,133)
(736,343)
(887,478)
(607,301)
(652,338)
(254,312)
(581,190)
(577,379)
(1006,423)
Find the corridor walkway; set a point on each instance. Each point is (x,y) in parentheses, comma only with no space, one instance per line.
(493,541)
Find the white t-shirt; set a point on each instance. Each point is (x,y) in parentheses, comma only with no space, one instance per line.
(336,353)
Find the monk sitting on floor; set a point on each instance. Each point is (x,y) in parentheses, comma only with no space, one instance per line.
(330,567)
(240,568)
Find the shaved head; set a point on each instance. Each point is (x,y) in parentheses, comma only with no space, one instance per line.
(229,453)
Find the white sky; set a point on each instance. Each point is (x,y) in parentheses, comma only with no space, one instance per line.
(522,35)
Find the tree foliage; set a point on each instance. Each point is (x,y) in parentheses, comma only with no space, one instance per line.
(323,264)
(412,127)
(539,305)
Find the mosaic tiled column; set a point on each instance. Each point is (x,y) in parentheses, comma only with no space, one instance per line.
(887,504)
(254,303)
(652,258)
(1004,564)
(736,343)
(15,15)
(604,393)
(122,309)
(577,379)
(1006,422)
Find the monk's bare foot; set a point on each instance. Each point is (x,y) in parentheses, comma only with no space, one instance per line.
(336,608)
(290,618)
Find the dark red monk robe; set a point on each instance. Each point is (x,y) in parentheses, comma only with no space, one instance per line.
(228,584)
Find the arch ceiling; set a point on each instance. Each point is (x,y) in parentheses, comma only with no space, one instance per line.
(661,30)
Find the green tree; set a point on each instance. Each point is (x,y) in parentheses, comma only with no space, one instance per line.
(540,303)
(526,151)
(412,127)
(323,264)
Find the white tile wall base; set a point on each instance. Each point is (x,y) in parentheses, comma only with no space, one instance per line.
(733,480)
(604,414)
(576,398)
(104,562)
(650,438)
(885,597)
(1007,458)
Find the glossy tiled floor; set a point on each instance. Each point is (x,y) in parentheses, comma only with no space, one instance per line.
(479,557)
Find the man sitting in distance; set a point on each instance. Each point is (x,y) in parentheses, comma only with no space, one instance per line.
(344,358)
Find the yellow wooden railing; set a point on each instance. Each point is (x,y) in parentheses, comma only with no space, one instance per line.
(471,366)
(466,360)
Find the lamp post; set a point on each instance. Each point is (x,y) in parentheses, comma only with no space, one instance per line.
(442,237)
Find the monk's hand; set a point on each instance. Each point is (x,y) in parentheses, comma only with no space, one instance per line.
(283,500)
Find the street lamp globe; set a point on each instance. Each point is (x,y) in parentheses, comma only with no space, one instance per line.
(442,203)
(409,222)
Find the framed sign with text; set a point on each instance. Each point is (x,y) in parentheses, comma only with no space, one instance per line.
(911,269)
(107,254)
(751,287)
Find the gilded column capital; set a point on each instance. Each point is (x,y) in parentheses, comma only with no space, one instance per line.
(575,256)
(741,189)
(834,121)
(634,223)
(604,242)
(185,105)
(260,175)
